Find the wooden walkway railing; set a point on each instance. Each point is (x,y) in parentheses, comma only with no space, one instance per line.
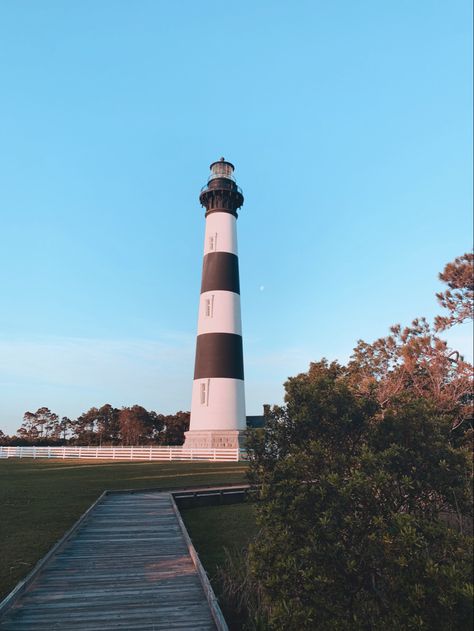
(125,453)
(128,564)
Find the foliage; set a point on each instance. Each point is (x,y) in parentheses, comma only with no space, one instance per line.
(414,359)
(220,535)
(363,484)
(41,424)
(174,426)
(101,426)
(240,593)
(351,507)
(459,298)
(136,425)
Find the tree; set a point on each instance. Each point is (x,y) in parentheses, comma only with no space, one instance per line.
(85,427)
(174,427)
(414,359)
(107,424)
(158,424)
(39,425)
(52,425)
(459,298)
(351,507)
(29,428)
(136,425)
(65,427)
(46,422)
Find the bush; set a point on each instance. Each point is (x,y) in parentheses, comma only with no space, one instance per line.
(351,510)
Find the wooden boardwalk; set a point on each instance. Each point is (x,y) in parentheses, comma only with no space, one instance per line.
(126,567)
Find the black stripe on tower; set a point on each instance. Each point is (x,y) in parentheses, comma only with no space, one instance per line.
(219,355)
(220,270)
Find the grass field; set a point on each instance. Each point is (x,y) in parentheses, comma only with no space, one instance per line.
(41,499)
(217,531)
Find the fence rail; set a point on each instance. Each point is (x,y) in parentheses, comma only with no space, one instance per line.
(125,453)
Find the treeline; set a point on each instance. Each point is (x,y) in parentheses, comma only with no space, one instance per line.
(106,425)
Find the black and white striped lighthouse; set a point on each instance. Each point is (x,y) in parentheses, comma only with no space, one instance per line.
(218,397)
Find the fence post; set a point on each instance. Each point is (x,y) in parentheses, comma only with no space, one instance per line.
(150,452)
(131,453)
(113,453)
(169,453)
(214,454)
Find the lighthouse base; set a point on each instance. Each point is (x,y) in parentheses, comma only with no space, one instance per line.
(214,439)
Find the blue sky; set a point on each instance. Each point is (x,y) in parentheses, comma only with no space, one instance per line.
(350,127)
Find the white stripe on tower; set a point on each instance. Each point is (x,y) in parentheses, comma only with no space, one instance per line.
(218,397)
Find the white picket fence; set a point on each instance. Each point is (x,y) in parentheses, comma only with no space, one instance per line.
(125,453)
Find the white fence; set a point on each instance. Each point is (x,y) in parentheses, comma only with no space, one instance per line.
(124,453)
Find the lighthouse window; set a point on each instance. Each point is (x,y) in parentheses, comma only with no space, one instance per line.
(209,306)
(213,242)
(203,394)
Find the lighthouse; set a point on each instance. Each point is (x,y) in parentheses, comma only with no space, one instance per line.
(218,396)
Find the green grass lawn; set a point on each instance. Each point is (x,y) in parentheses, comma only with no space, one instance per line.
(41,499)
(215,530)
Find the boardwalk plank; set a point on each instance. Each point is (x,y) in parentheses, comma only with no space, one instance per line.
(126,567)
